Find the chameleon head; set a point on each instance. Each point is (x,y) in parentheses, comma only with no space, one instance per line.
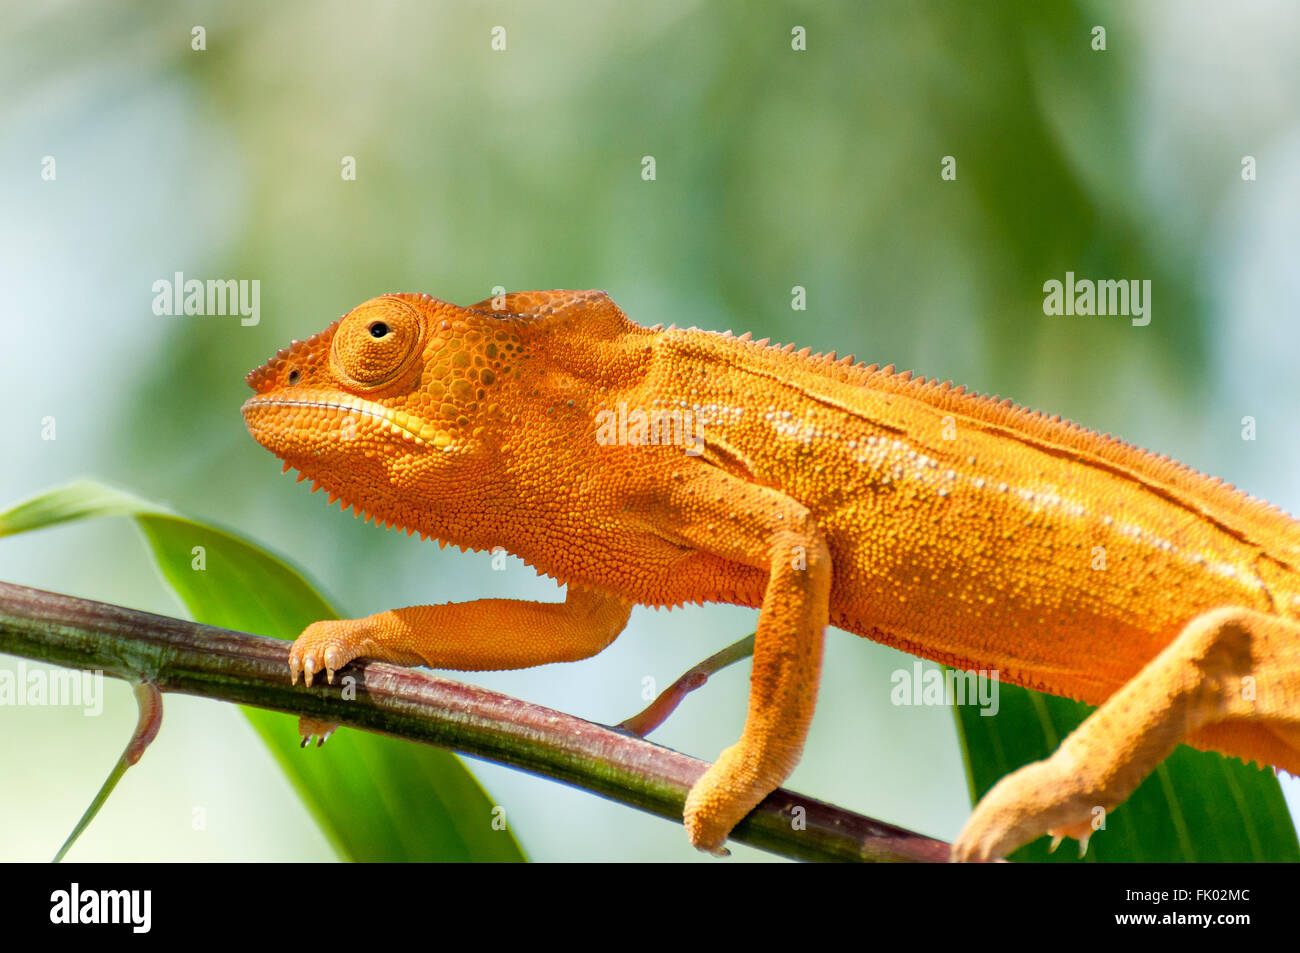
(387,405)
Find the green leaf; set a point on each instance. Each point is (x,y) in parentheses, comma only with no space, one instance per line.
(76,501)
(376,798)
(1196,806)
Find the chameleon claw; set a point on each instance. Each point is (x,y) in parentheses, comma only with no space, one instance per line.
(314,728)
(333,661)
(1081,831)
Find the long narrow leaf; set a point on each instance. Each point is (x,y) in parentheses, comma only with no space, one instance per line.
(376,798)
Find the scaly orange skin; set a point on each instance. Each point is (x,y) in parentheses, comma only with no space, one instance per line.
(953,526)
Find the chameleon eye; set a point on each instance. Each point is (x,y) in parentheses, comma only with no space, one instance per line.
(377,341)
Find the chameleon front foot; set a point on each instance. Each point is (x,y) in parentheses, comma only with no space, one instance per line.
(318,728)
(325,646)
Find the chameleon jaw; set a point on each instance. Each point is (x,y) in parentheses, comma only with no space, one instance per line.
(408,426)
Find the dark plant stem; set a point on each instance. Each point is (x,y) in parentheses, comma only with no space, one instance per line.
(179,656)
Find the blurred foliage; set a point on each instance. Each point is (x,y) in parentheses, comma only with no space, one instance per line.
(521,169)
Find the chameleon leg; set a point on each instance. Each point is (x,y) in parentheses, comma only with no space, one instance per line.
(1230,680)
(764,529)
(486,634)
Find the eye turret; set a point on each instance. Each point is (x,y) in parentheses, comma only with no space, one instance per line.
(377,341)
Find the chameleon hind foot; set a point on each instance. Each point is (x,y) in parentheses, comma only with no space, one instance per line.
(1022,806)
(1081,831)
(1230,678)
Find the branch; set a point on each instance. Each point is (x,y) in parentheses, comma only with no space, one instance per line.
(194,659)
(647,720)
(149,701)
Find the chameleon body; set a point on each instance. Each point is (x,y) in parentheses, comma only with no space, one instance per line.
(643,466)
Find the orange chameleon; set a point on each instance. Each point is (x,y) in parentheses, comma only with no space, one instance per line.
(949,525)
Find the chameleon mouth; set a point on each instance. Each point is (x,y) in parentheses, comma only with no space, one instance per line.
(408,426)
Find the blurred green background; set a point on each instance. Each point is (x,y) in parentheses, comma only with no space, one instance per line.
(522,168)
